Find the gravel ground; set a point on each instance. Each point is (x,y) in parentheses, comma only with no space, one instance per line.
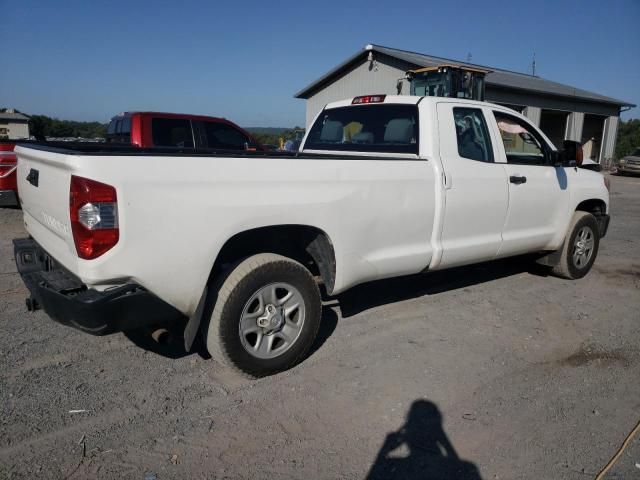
(495,372)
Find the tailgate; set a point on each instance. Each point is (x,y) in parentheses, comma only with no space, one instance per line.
(43,186)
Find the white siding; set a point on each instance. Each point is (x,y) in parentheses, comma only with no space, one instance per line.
(363,79)
(15,130)
(608,146)
(575,121)
(533,114)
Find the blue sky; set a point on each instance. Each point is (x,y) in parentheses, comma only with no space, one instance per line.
(87,60)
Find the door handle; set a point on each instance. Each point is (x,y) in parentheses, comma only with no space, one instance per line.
(517,179)
(33,176)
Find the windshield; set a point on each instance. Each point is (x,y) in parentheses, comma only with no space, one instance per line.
(431,84)
(383,128)
(636,153)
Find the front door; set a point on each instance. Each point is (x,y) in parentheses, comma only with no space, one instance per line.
(476,192)
(537,190)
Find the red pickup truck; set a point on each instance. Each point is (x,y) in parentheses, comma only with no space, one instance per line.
(156,129)
(8,187)
(146,130)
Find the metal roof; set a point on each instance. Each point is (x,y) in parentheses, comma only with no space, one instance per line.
(13,116)
(497,78)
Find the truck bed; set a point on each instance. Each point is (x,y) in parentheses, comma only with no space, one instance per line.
(91,148)
(175,215)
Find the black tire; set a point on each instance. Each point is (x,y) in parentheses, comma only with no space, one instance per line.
(224,341)
(567,267)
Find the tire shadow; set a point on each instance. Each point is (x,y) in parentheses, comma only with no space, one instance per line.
(170,343)
(328,324)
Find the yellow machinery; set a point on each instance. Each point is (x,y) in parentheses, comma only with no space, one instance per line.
(453,81)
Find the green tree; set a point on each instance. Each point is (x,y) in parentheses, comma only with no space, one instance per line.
(628,137)
(43,126)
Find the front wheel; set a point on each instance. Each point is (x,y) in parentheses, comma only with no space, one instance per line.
(266,316)
(580,247)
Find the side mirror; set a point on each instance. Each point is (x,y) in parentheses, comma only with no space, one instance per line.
(557,158)
(572,151)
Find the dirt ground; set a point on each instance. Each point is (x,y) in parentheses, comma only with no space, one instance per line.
(495,371)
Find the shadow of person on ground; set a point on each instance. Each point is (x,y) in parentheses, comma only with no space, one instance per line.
(421,450)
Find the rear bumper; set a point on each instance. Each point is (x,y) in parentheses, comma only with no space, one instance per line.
(68,301)
(8,198)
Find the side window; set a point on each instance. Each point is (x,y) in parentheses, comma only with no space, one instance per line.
(521,143)
(171,132)
(472,134)
(221,135)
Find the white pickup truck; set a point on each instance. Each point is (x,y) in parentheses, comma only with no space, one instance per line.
(236,243)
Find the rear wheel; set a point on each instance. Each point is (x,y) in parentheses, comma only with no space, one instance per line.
(266,316)
(580,247)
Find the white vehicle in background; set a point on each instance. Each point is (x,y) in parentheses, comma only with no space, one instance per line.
(237,242)
(629,164)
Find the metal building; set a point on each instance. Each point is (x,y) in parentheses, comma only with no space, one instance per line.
(561,111)
(13,125)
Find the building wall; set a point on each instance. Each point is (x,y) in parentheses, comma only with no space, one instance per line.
(14,130)
(608,146)
(362,79)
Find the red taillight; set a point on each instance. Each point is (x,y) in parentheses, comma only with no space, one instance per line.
(8,163)
(368,99)
(93,208)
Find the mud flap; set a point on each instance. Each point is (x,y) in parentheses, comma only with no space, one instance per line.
(551,259)
(193,325)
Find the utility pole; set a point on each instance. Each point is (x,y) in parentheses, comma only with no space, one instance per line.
(469,57)
(533,65)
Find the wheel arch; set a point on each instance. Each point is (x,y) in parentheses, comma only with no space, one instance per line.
(598,208)
(595,206)
(309,245)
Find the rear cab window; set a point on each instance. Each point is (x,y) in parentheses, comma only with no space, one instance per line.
(119,130)
(382,128)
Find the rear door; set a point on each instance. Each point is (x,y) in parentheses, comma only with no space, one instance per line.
(538,193)
(476,194)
